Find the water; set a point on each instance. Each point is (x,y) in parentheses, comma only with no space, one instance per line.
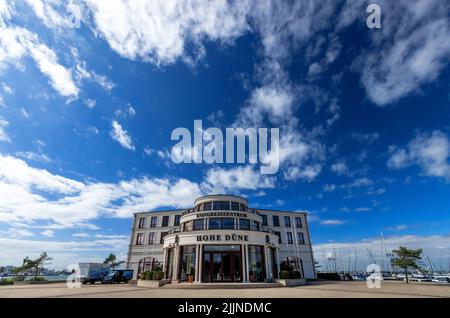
(56,278)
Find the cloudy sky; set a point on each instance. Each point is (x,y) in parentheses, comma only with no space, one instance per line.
(91,90)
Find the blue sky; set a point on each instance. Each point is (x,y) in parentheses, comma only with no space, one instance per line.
(86,115)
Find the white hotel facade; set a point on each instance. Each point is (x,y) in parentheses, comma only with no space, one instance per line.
(221,239)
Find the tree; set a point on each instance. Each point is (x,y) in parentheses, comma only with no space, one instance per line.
(406,258)
(33,264)
(112,261)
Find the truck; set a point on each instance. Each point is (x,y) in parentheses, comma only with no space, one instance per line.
(118,276)
(93,272)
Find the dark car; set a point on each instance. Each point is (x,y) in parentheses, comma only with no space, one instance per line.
(118,276)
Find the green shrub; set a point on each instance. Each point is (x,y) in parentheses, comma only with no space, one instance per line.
(284,274)
(295,275)
(38,280)
(157,268)
(20,278)
(158,275)
(7,281)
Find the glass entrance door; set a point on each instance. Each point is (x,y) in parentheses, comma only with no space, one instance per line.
(222,263)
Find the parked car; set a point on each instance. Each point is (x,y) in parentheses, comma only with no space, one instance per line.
(118,276)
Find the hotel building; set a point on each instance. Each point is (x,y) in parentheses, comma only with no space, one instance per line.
(221,239)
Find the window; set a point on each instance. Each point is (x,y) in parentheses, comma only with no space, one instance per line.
(225,205)
(207,206)
(176,220)
(140,239)
(264,217)
(287,221)
(254,226)
(141,223)
(165,221)
(275,220)
(298,222)
(228,224)
(214,224)
(241,207)
(200,207)
(187,266)
(199,225)
(217,205)
(234,206)
(300,238)
(153,221)
(289,237)
(221,223)
(161,240)
(256,263)
(244,224)
(151,237)
(279,236)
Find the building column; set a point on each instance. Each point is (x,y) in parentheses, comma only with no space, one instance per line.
(199,268)
(277,251)
(176,262)
(266,260)
(247,275)
(164,262)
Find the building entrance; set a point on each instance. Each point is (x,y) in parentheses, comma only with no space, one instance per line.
(222,263)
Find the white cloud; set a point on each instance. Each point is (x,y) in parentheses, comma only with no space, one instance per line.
(430,152)
(131,111)
(307,173)
(34,156)
(332,222)
(340,168)
(24,113)
(82,234)
(3,134)
(158,31)
(400,227)
(18,42)
(90,103)
(16,233)
(28,195)
(48,233)
(218,180)
(148,151)
(411,49)
(7,89)
(121,136)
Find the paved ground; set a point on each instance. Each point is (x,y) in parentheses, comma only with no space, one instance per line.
(313,289)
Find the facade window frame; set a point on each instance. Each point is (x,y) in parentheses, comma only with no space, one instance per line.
(140,237)
(165,221)
(300,238)
(264,217)
(275,220)
(289,237)
(141,223)
(287,221)
(298,222)
(154,221)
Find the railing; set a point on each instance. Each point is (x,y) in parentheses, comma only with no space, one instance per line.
(251,228)
(248,210)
